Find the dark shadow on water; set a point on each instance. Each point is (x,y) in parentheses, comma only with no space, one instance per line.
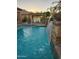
(54,51)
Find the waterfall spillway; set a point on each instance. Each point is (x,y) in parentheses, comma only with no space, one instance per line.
(50,28)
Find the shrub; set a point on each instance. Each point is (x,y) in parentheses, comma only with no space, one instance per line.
(25,19)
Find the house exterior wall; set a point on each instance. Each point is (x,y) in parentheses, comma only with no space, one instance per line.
(18,17)
(32,17)
(21,14)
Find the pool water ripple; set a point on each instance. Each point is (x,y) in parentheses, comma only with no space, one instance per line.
(33,43)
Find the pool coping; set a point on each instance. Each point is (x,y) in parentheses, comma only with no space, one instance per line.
(25,24)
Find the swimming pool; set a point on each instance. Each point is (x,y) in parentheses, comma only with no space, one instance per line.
(33,43)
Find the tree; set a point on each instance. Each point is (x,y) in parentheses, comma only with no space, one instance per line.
(55,10)
(46,14)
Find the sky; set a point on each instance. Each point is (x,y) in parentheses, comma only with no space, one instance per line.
(34,5)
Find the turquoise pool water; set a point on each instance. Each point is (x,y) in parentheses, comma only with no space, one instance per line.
(33,43)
